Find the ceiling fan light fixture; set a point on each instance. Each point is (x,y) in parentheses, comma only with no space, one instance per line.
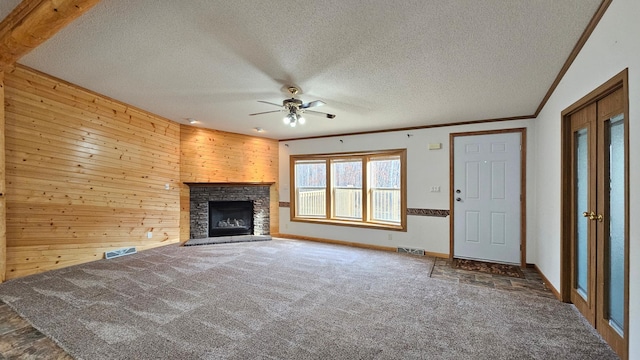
(290,119)
(294,108)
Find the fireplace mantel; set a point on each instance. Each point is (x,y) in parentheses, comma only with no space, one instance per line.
(202,184)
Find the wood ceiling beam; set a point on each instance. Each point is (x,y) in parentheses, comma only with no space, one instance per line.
(33,22)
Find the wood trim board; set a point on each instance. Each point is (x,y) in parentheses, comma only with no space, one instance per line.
(547,283)
(337,242)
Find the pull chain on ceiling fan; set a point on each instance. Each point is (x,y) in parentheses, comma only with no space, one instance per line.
(294,108)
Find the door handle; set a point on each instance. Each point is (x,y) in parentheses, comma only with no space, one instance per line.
(458,199)
(593,216)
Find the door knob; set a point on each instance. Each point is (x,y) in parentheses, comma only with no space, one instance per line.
(593,216)
(458,199)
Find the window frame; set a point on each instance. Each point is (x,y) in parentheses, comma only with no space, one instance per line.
(366,221)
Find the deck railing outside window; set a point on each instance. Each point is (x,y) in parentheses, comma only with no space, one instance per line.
(311,201)
(385,204)
(347,202)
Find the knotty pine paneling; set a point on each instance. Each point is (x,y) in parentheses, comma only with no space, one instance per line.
(3,200)
(84,174)
(210,156)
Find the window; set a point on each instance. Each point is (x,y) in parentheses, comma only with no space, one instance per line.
(385,195)
(311,188)
(357,189)
(346,188)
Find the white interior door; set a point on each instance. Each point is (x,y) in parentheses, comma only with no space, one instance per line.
(486,195)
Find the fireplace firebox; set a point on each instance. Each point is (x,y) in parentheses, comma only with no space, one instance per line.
(228,218)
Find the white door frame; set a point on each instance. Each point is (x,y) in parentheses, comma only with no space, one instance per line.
(523,186)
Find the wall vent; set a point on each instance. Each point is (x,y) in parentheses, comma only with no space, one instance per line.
(120,252)
(411,251)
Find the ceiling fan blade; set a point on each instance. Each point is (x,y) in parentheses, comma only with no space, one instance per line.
(328,116)
(270,103)
(312,104)
(265,112)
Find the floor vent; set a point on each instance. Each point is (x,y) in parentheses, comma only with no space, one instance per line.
(120,252)
(411,251)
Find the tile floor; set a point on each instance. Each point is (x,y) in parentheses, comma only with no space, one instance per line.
(531,284)
(19,340)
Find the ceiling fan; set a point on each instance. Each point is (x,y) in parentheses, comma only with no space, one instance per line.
(294,108)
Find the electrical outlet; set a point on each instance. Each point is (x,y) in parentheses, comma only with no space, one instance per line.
(390,236)
(149,234)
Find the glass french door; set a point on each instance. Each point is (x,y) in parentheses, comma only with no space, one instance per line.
(599,221)
(583,239)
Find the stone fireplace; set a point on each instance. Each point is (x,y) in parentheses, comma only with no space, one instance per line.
(218,210)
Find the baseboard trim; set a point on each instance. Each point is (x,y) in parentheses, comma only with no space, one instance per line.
(547,283)
(336,242)
(436,254)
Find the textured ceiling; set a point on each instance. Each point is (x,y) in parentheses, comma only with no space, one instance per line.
(382,65)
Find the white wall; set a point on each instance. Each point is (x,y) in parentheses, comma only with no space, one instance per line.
(425,168)
(613,46)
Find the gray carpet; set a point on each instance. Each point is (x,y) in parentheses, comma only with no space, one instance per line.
(286,299)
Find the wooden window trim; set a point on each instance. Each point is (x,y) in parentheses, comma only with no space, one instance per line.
(366,221)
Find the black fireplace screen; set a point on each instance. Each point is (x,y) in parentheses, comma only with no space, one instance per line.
(228,218)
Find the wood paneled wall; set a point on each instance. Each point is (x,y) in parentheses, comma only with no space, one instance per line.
(3,202)
(217,156)
(84,174)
